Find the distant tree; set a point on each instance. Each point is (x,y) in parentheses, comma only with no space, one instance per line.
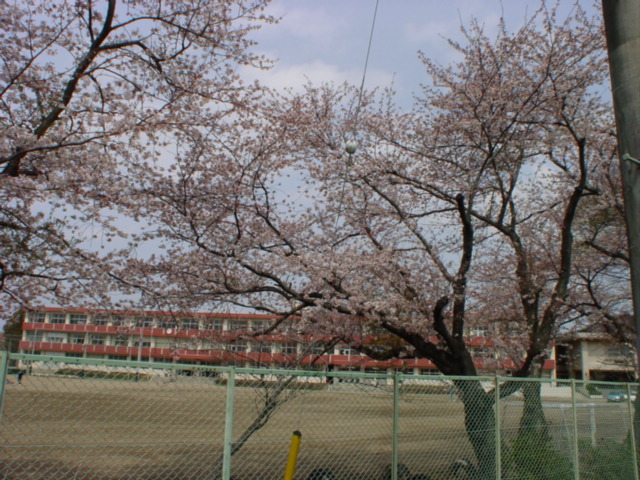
(12,331)
(600,300)
(93,94)
(461,212)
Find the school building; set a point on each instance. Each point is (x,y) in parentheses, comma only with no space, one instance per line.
(220,339)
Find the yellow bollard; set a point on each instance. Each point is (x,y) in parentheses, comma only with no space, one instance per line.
(293,455)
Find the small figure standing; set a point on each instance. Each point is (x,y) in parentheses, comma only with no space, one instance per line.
(20,375)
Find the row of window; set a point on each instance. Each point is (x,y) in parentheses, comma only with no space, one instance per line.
(236,346)
(127,341)
(217,324)
(149,322)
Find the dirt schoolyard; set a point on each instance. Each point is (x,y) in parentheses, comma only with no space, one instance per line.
(56,426)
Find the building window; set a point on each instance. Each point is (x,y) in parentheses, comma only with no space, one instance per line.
(212,324)
(166,323)
(289,348)
(57,318)
(162,359)
(101,320)
(259,325)
(190,324)
(317,349)
(76,338)
(33,336)
(238,325)
(144,322)
(55,338)
(118,321)
(97,339)
(37,317)
(143,344)
(238,347)
(122,341)
(212,346)
(77,319)
(261,347)
(73,354)
(347,351)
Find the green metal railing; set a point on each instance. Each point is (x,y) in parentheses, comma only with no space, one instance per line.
(82,418)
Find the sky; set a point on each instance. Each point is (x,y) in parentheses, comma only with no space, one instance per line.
(326,40)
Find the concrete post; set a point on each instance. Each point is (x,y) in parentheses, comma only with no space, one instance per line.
(622,27)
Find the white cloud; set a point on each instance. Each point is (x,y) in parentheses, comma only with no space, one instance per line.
(318,72)
(314,24)
(326,40)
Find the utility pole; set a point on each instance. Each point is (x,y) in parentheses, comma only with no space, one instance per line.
(622,29)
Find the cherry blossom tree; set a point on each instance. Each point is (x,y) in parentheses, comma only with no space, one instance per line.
(526,142)
(460,212)
(91,94)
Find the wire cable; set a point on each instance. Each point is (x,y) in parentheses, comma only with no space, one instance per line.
(364,71)
(352,144)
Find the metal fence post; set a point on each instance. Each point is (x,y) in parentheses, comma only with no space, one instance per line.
(228,425)
(4,367)
(396,421)
(574,419)
(632,432)
(498,421)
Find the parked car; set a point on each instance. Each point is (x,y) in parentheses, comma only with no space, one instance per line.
(619,396)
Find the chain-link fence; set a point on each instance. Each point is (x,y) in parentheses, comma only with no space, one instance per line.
(74,418)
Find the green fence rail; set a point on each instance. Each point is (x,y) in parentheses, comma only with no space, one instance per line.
(76,418)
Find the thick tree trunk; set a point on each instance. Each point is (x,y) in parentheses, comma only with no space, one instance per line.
(533,421)
(479,421)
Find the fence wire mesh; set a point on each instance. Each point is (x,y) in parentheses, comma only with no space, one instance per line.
(87,419)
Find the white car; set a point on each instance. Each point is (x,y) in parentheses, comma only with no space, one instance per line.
(620,396)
